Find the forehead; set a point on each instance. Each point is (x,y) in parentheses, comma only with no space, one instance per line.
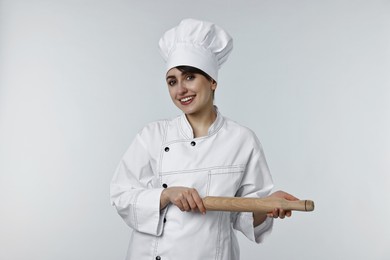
(174,72)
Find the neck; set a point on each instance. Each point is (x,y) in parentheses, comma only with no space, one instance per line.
(201,122)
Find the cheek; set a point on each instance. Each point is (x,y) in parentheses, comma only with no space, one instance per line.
(171,92)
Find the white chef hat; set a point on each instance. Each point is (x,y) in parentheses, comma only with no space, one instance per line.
(195,43)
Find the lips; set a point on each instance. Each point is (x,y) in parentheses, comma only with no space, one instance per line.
(186,100)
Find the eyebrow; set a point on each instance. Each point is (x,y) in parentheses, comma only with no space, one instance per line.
(183,74)
(170,77)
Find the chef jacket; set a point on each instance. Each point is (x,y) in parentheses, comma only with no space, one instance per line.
(229,161)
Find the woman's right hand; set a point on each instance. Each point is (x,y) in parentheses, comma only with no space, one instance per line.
(186,199)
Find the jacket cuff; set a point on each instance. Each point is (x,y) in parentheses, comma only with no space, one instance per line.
(149,217)
(263,229)
(256,234)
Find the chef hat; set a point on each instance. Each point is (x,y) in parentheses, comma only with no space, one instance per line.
(198,44)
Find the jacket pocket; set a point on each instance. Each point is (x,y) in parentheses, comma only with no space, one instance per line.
(224,181)
(192,179)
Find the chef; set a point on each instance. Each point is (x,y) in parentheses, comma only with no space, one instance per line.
(172,164)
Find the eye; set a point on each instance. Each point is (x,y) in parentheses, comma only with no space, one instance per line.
(171,82)
(190,77)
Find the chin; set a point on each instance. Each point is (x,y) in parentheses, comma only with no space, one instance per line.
(185,109)
(188,111)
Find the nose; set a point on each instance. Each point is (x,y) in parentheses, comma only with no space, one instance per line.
(182,89)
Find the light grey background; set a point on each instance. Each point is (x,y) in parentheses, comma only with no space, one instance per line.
(78,79)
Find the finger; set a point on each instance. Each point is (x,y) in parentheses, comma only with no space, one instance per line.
(186,206)
(177,202)
(282,213)
(288,213)
(288,196)
(275,213)
(284,195)
(199,202)
(271,214)
(191,202)
(180,202)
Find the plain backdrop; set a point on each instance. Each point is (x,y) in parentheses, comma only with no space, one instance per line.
(79,78)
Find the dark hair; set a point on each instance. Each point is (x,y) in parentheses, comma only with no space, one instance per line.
(189,69)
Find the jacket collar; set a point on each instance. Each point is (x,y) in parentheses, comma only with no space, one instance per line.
(186,129)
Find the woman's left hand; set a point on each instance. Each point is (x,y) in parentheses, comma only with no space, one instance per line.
(280,213)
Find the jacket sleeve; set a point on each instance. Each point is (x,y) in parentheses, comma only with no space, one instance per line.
(134,190)
(256,182)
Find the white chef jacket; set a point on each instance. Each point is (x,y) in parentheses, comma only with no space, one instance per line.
(229,161)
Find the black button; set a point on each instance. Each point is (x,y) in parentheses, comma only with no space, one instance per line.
(166,149)
(165,185)
(165,220)
(158,258)
(193,143)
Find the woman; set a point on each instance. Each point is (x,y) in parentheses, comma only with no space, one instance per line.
(172,164)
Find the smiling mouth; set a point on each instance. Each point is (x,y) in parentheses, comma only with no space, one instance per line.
(186,100)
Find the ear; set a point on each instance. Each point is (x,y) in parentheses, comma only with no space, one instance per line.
(213,85)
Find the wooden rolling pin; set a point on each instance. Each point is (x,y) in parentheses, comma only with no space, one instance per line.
(265,205)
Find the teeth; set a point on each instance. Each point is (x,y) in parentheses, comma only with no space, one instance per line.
(186,99)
